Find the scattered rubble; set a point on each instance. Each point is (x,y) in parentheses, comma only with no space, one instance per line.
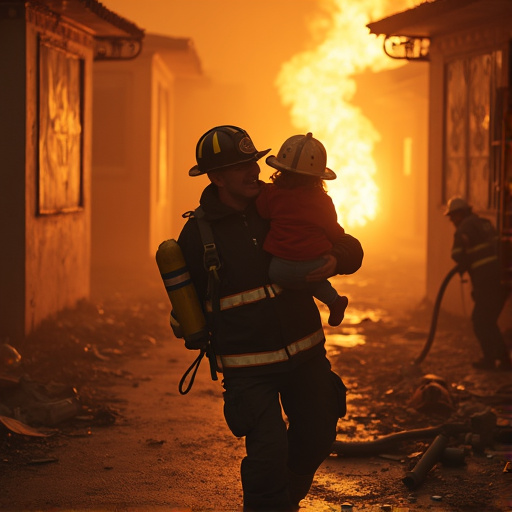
(59,386)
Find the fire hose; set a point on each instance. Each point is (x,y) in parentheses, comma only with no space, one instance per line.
(435,315)
(376,446)
(479,432)
(437,451)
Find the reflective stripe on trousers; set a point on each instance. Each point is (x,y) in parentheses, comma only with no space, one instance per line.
(275,356)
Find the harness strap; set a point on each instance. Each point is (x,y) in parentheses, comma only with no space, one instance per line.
(210,257)
(192,368)
(212,264)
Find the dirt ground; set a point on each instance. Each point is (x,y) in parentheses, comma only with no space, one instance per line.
(121,437)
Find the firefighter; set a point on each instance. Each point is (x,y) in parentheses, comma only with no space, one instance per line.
(268,342)
(475,249)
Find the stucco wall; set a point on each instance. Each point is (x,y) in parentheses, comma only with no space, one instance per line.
(121,164)
(163,126)
(12,172)
(57,253)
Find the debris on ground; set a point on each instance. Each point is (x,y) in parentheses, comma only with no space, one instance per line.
(61,379)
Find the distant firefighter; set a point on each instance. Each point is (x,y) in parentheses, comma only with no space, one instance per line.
(475,249)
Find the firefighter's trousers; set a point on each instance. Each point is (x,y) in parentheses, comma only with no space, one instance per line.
(282,454)
(489,303)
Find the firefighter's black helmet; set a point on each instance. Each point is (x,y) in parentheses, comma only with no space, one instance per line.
(223,146)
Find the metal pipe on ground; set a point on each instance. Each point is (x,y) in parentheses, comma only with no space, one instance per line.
(433,455)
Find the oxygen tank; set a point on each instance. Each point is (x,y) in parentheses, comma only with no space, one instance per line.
(182,294)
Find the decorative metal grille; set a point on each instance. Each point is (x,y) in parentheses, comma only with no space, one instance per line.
(469,85)
(407,47)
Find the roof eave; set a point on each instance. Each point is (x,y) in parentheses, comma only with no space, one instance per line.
(115,37)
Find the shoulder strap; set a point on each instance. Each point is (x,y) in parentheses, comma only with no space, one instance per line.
(212,265)
(211,257)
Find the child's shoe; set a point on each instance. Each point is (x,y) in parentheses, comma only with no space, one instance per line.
(337,309)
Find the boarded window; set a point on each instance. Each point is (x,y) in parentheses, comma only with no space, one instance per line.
(60,130)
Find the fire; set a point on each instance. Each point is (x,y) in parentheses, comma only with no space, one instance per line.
(318,86)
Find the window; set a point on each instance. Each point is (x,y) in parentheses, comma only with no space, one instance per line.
(60,130)
(162,145)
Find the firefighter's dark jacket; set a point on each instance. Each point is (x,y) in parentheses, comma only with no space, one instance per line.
(475,249)
(266,325)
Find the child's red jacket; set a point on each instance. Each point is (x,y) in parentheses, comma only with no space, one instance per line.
(303,222)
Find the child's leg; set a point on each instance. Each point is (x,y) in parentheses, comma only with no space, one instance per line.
(325,292)
(292,274)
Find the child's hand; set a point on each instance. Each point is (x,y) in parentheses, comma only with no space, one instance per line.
(328,269)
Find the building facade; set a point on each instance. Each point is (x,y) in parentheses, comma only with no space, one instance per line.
(141,150)
(466,45)
(47,51)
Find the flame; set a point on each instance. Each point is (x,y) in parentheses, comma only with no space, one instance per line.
(318,86)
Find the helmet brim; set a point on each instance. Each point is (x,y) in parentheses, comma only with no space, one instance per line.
(195,171)
(449,212)
(327,174)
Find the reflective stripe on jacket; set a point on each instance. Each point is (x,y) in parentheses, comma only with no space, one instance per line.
(475,249)
(240,299)
(477,256)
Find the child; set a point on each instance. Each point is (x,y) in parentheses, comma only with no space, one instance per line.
(303,220)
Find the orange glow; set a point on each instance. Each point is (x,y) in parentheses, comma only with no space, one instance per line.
(318,86)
